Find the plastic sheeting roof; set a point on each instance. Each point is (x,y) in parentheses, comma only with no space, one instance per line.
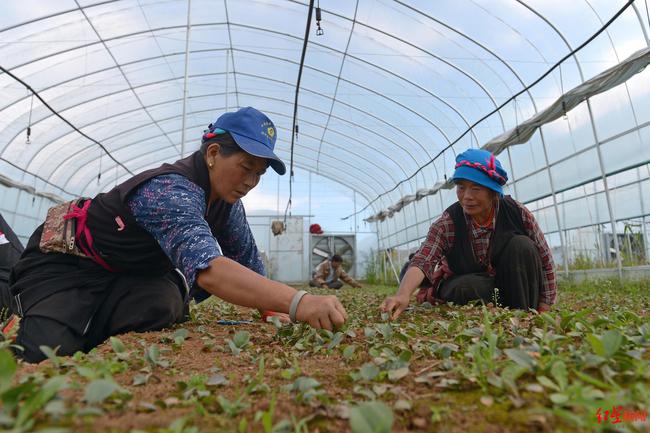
(384,90)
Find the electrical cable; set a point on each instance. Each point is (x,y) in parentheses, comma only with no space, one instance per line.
(56,113)
(294,129)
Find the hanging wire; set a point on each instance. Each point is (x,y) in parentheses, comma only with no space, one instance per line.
(496,109)
(294,129)
(99,173)
(29,122)
(319,29)
(56,113)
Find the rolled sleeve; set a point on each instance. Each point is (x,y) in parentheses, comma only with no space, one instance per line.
(171,208)
(434,246)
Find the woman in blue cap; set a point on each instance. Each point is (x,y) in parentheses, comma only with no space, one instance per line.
(144,249)
(484,247)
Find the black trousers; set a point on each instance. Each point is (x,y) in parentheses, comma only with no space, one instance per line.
(74,304)
(518,279)
(333,285)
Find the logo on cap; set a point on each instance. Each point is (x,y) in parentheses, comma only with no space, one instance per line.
(268,130)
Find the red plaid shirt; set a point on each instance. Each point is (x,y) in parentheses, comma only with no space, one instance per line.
(442,235)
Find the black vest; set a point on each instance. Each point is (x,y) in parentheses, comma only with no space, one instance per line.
(461,256)
(129,247)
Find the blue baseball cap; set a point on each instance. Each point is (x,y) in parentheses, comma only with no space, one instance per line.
(481,167)
(253,132)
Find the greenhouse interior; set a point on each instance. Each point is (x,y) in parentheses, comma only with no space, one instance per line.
(374,103)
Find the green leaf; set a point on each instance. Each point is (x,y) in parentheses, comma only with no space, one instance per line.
(39,400)
(559,398)
(98,390)
(233,348)
(7,369)
(405,355)
(117,345)
(336,340)
(386,330)
(402,405)
(509,376)
(369,371)
(305,383)
(520,357)
(51,354)
(141,379)
(596,344)
(348,352)
(371,417)
(612,341)
(592,380)
(560,374)
(217,380)
(548,383)
(179,336)
(395,375)
(241,339)
(152,355)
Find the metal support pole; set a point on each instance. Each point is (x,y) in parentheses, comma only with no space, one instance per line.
(227,75)
(392,266)
(563,243)
(187,62)
(612,217)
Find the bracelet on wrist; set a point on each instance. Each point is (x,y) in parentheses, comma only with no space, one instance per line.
(294,305)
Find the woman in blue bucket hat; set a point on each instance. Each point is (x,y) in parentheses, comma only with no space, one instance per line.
(141,251)
(485,247)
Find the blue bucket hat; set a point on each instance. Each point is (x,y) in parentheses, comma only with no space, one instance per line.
(253,132)
(481,167)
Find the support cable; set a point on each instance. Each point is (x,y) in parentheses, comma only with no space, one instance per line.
(56,113)
(294,129)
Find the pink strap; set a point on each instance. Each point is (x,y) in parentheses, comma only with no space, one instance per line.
(81,215)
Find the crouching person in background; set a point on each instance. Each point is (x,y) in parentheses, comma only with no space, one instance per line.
(329,274)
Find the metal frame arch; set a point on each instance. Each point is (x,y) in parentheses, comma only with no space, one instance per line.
(280,150)
(135,143)
(435,96)
(119,67)
(199,75)
(299,165)
(255,76)
(282,59)
(126,131)
(232,55)
(347,173)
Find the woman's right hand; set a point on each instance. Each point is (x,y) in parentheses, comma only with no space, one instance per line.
(395,305)
(325,312)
